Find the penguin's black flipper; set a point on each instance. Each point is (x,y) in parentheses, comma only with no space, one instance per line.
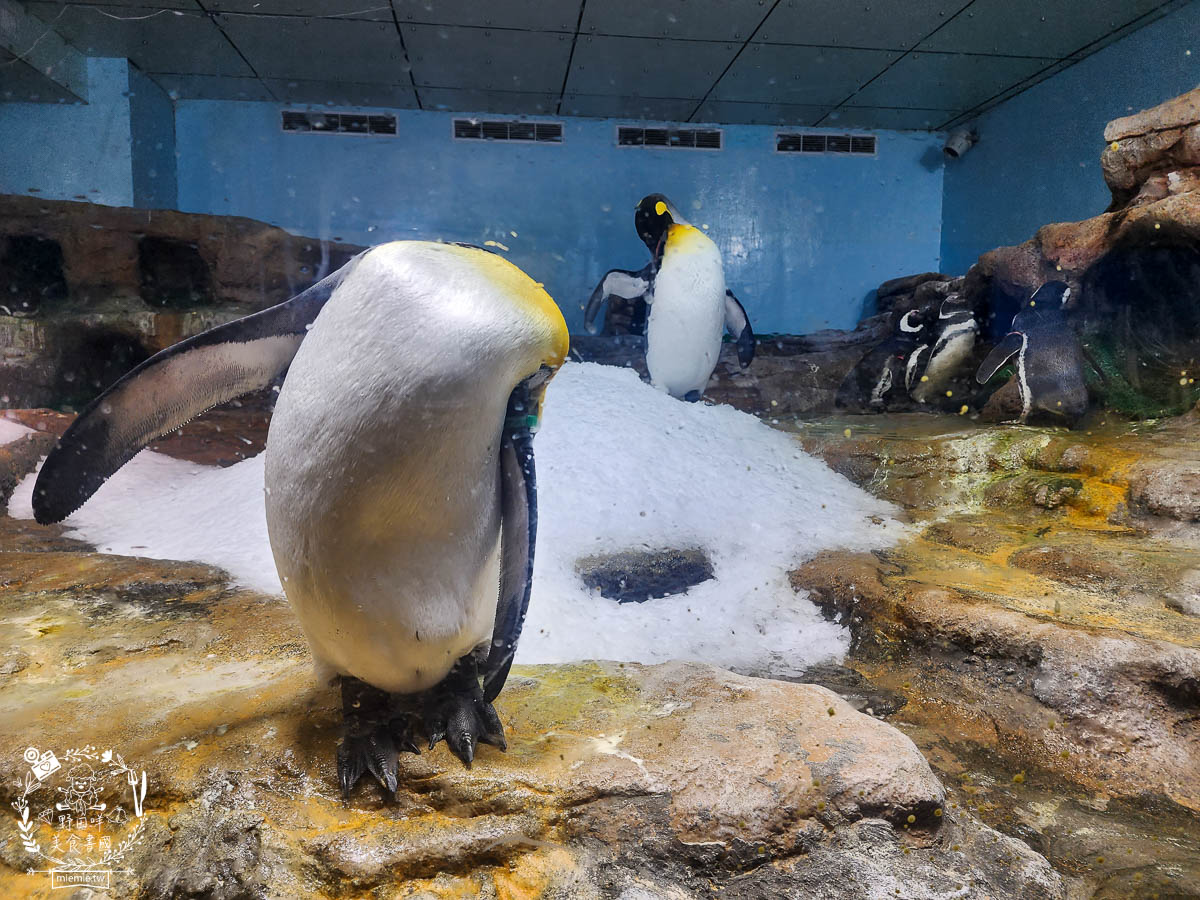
(518,518)
(737,323)
(168,390)
(1009,346)
(616,283)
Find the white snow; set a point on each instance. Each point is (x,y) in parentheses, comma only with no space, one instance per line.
(10,430)
(620,466)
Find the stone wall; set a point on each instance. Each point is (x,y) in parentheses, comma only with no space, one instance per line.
(88,291)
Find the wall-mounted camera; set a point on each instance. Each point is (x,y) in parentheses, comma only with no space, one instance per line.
(959,142)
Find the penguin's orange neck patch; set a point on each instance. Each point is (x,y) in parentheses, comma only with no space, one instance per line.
(685,239)
(530,295)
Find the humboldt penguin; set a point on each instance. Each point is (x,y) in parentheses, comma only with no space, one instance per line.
(689,305)
(399,476)
(886,372)
(931,368)
(1049,360)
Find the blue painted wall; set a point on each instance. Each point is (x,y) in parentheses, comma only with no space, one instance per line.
(152,143)
(805,238)
(72,151)
(117,149)
(1038,159)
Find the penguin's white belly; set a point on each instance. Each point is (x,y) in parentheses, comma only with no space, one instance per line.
(382,481)
(391,567)
(687,319)
(946,363)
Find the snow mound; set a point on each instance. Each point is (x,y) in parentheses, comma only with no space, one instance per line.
(621,466)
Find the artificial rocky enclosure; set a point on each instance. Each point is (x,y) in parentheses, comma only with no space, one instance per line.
(1035,639)
(87,291)
(1134,271)
(677,781)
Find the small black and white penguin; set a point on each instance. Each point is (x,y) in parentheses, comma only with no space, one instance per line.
(1049,359)
(886,372)
(689,305)
(399,480)
(932,366)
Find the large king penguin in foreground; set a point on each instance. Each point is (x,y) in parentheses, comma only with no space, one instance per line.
(690,307)
(400,488)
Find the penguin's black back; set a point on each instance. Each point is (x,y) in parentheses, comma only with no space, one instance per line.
(1053,364)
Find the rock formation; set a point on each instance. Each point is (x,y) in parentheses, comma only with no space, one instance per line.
(1135,268)
(620,780)
(1134,271)
(88,291)
(1038,631)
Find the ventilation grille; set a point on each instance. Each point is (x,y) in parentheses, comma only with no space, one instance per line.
(337,123)
(860,144)
(689,138)
(541,132)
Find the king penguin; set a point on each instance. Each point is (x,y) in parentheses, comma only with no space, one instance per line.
(1049,360)
(690,307)
(399,479)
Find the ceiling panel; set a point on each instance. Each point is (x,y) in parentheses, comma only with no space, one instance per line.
(890,119)
(1035,27)
(638,67)
(342,93)
(213,87)
(532,15)
(766,73)
(22,83)
(487,59)
(946,80)
(159,4)
(734,113)
(657,109)
(499,102)
(157,40)
(632,58)
(883,24)
(711,20)
(318,49)
(377,10)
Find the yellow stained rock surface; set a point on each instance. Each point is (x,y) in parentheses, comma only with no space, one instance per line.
(212,692)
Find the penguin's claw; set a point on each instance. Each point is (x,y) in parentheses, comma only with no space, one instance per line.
(374,752)
(372,736)
(457,714)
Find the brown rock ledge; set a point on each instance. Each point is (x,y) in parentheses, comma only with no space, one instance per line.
(678,780)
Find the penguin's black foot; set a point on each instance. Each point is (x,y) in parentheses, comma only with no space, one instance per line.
(692,396)
(373,733)
(456,712)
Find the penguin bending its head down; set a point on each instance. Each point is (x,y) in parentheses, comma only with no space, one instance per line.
(886,372)
(690,306)
(1049,360)
(400,493)
(932,366)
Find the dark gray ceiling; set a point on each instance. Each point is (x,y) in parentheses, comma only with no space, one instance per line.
(902,64)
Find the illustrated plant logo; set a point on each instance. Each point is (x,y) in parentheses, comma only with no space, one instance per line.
(82,812)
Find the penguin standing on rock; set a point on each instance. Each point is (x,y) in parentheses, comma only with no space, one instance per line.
(1049,360)
(932,367)
(888,370)
(690,306)
(400,492)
